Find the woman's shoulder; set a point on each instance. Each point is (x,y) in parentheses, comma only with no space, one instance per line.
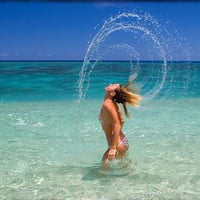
(109,107)
(108,104)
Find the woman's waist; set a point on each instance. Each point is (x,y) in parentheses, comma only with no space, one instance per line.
(123,140)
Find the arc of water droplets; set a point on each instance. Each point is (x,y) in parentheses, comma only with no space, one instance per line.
(111,26)
(128,48)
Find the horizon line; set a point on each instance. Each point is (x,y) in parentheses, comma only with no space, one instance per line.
(106,60)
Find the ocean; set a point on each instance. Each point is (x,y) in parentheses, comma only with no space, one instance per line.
(52,142)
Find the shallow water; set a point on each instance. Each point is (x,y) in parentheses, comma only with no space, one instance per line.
(50,150)
(51,145)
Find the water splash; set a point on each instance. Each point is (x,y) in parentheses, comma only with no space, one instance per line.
(146,37)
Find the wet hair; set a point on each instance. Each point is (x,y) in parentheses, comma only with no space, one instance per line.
(127,95)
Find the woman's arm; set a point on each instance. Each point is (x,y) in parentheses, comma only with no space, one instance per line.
(116,128)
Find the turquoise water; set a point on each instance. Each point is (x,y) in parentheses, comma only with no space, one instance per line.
(52,144)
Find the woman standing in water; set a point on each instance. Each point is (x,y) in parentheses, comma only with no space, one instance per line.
(112,120)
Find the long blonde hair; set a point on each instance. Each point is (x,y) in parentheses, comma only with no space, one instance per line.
(127,94)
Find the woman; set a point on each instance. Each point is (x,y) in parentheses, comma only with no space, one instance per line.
(111,118)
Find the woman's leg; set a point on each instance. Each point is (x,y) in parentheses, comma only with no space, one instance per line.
(122,150)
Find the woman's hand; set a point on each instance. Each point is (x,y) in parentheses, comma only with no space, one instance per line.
(112,154)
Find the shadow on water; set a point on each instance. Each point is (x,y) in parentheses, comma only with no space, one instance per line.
(96,172)
(114,169)
(117,168)
(92,173)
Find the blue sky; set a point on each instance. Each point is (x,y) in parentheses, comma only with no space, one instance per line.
(62,31)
